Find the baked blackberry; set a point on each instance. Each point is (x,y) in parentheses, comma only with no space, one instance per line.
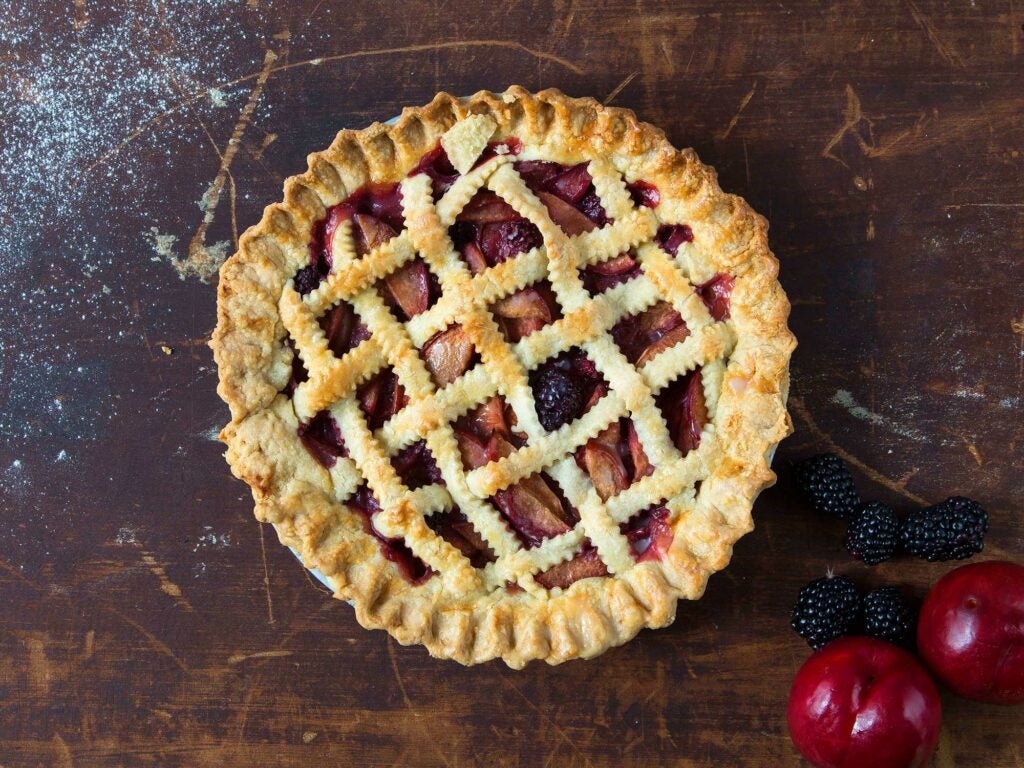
(887,616)
(558,396)
(827,485)
(952,530)
(826,609)
(874,533)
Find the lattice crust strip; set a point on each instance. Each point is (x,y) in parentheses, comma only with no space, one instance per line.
(692,235)
(504,368)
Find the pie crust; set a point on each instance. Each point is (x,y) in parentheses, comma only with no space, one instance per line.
(500,610)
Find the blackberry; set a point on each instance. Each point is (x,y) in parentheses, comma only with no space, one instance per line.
(307,279)
(558,396)
(826,609)
(874,533)
(952,530)
(827,485)
(888,617)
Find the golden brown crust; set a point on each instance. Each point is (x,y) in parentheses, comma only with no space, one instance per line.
(463,613)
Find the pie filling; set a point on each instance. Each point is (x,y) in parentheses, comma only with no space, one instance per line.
(565,388)
(375,211)
(397,551)
(684,409)
(323,439)
(381,398)
(487,232)
(527,310)
(643,336)
(438,167)
(614,459)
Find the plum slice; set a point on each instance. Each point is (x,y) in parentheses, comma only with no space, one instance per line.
(644,194)
(556,184)
(685,410)
(598,278)
(488,231)
(410,290)
(614,459)
(643,336)
(527,310)
(415,465)
(342,329)
(448,354)
(584,564)
(671,236)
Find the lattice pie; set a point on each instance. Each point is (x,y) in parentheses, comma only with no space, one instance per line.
(509,372)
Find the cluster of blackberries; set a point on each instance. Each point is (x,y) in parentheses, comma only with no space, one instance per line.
(952,530)
(832,607)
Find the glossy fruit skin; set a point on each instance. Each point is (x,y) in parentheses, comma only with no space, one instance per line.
(864,703)
(971,631)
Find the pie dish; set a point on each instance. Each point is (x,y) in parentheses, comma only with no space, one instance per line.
(508,372)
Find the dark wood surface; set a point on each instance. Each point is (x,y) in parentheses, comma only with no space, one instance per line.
(146,619)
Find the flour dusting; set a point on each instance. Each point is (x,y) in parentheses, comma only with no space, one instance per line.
(845,398)
(74,93)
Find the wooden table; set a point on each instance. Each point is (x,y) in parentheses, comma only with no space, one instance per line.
(146,619)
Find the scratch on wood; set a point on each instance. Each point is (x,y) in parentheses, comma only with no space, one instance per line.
(64,757)
(853,115)
(167,586)
(389,643)
(90,645)
(946,51)
(81,15)
(800,410)
(269,139)
(618,88)
(238,658)
(266,577)
(958,206)
(971,447)
(1017,326)
(544,716)
(37,668)
(735,118)
(398,675)
(155,641)
(511,44)
(200,260)
(232,189)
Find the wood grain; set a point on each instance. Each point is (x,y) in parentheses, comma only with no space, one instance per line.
(146,619)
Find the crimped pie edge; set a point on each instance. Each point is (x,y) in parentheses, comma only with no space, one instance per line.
(593,614)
